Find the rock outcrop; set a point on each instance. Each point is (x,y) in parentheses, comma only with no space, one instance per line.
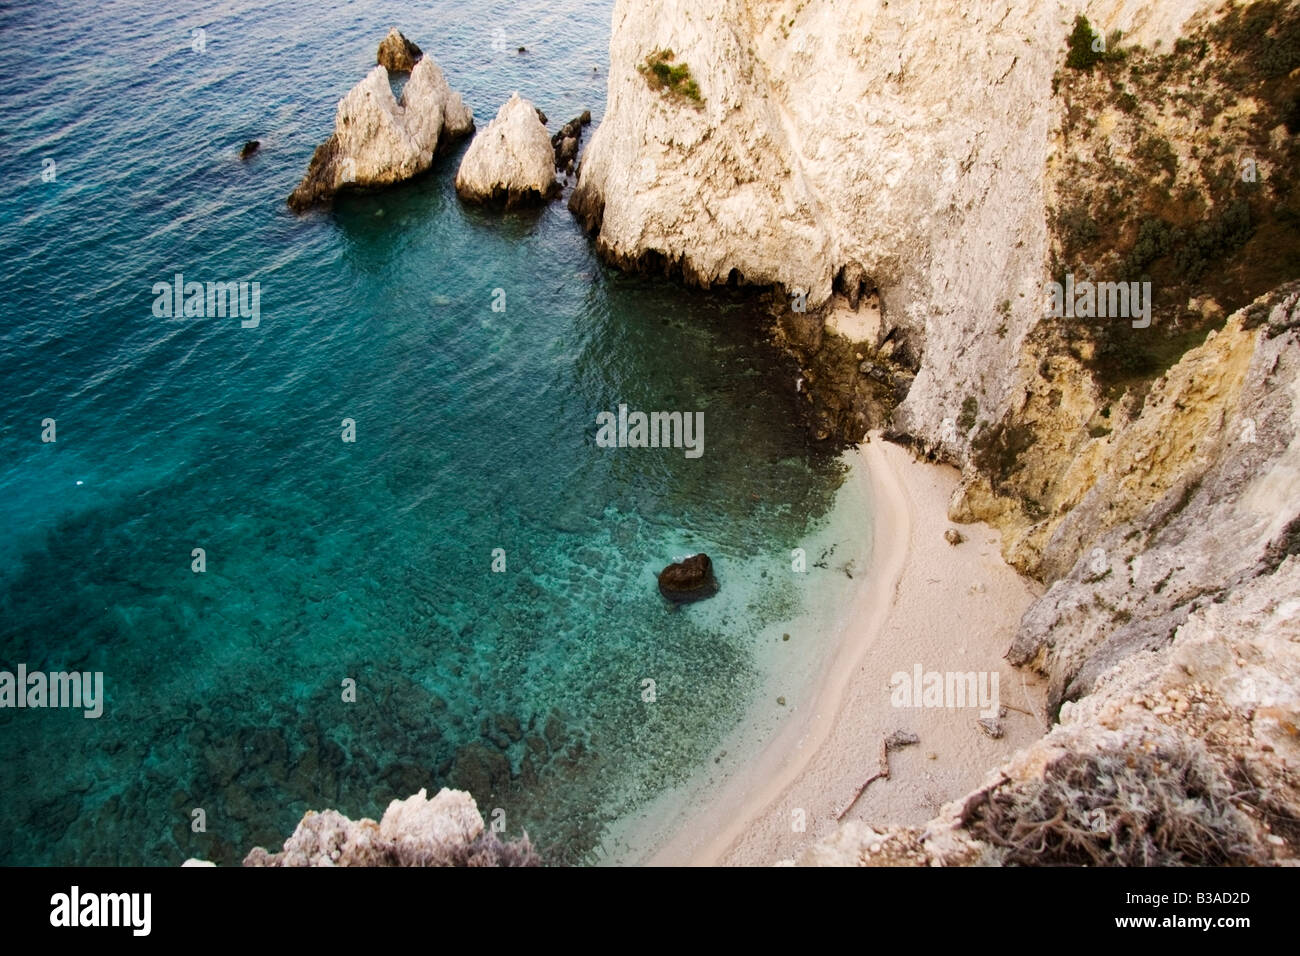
(397,54)
(567,140)
(378,141)
(511,161)
(688,580)
(446,830)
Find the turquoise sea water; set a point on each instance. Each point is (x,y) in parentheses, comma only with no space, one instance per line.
(369,561)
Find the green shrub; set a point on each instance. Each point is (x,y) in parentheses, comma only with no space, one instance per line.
(1083,41)
(661,73)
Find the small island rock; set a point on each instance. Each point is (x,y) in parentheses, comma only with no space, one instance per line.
(378,141)
(511,160)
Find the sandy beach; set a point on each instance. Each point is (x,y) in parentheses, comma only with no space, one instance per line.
(924,602)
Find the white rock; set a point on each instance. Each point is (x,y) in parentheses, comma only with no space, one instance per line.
(378,141)
(511,160)
(450,817)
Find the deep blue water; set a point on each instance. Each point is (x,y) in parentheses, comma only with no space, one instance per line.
(371,560)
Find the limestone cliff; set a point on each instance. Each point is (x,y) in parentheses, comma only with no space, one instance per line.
(901,147)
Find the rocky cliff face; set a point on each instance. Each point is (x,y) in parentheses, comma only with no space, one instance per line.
(913,174)
(378,141)
(896,147)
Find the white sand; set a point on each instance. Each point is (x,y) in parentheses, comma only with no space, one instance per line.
(924,602)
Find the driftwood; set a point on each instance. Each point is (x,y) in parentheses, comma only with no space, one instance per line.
(881,771)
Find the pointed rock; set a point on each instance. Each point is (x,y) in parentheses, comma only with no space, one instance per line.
(510,161)
(378,141)
(397,54)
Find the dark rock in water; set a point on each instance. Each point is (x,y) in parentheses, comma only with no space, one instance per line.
(398,54)
(484,769)
(494,733)
(523,49)
(249,149)
(509,725)
(541,116)
(689,580)
(568,151)
(567,141)
(536,747)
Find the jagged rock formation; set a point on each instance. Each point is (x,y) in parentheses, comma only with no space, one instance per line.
(446,830)
(378,141)
(397,54)
(511,161)
(1170,510)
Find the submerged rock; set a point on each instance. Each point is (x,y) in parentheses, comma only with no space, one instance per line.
(689,580)
(249,149)
(510,161)
(378,141)
(397,54)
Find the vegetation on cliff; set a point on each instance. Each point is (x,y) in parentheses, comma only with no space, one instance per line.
(1176,168)
(662,74)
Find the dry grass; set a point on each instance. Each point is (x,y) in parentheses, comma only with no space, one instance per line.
(1173,807)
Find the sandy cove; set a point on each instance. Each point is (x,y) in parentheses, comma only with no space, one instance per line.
(924,602)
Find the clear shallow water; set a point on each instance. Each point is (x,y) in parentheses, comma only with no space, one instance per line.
(369,561)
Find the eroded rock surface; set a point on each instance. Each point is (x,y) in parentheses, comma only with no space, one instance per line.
(445,830)
(397,54)
(378,141)
(511,161)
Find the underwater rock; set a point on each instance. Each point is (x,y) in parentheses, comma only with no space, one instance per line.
(689,580)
